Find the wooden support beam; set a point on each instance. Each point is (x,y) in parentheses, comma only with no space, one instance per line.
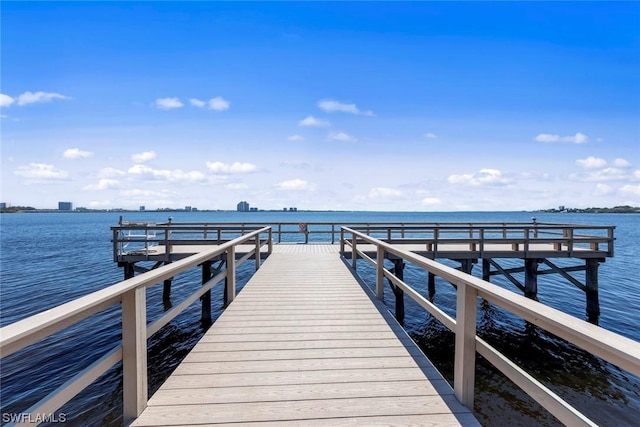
(507,275)
(564,273)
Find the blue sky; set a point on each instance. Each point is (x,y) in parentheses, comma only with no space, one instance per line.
(358,106)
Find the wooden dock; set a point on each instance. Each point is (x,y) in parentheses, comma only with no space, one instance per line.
(304,343)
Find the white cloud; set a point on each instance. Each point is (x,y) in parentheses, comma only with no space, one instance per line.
(621,163)
(143,157)
(103,184)
(332,106)
(38,97)
(41,171)
(168,103)
(76,153)
(430,135)
(296,137)
(236,167)
(431,201)
(142,193)
(6,100)
(152,174)
(341,136)
(294,184)
(483,177)
(96,204)
(312,121)
(197,103)
(295,165)
(591,163)
(237,186)
(385,193)
(578,138)
(110,172)
(633,190)
(602,190)
(218,104)
(606,174)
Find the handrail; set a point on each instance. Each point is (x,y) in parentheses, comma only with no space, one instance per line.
(135,332)
(616,349)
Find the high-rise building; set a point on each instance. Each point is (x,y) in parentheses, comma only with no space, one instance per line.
(243,206)
(65,206)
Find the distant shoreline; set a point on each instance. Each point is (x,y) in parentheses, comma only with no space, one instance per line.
(21,209)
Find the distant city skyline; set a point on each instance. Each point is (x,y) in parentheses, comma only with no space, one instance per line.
(403,106)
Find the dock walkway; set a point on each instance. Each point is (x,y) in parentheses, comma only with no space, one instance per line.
(305,344)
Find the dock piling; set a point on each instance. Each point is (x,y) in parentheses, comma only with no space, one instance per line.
(206,297)
(531,278)
(591,281)
(398,271)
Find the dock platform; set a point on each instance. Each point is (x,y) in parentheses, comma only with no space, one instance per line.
(305,343)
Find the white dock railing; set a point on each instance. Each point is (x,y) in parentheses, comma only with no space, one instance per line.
(563,237)
(614,348)
(131,293)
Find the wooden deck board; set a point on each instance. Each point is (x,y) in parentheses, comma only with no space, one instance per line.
(304,344)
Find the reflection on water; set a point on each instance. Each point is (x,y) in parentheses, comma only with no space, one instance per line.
(596,388)
(604,393)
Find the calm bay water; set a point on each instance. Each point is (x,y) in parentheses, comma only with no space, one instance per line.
(47,259)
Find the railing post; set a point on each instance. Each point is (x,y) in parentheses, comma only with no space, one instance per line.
(279,233)
(231,275)
(342,241)
(354,254)
(610,241)
(270,241)
(333,233)
(134,353)
(380,274)
(465,346)
(257,252)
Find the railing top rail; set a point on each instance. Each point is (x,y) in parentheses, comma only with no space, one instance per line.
(30,330)
(619,350)
(382,224)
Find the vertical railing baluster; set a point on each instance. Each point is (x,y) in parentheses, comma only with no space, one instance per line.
(354,254)
(380,274)
(257,252)
(231,274)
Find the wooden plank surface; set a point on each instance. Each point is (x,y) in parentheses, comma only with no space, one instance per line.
(304,344)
